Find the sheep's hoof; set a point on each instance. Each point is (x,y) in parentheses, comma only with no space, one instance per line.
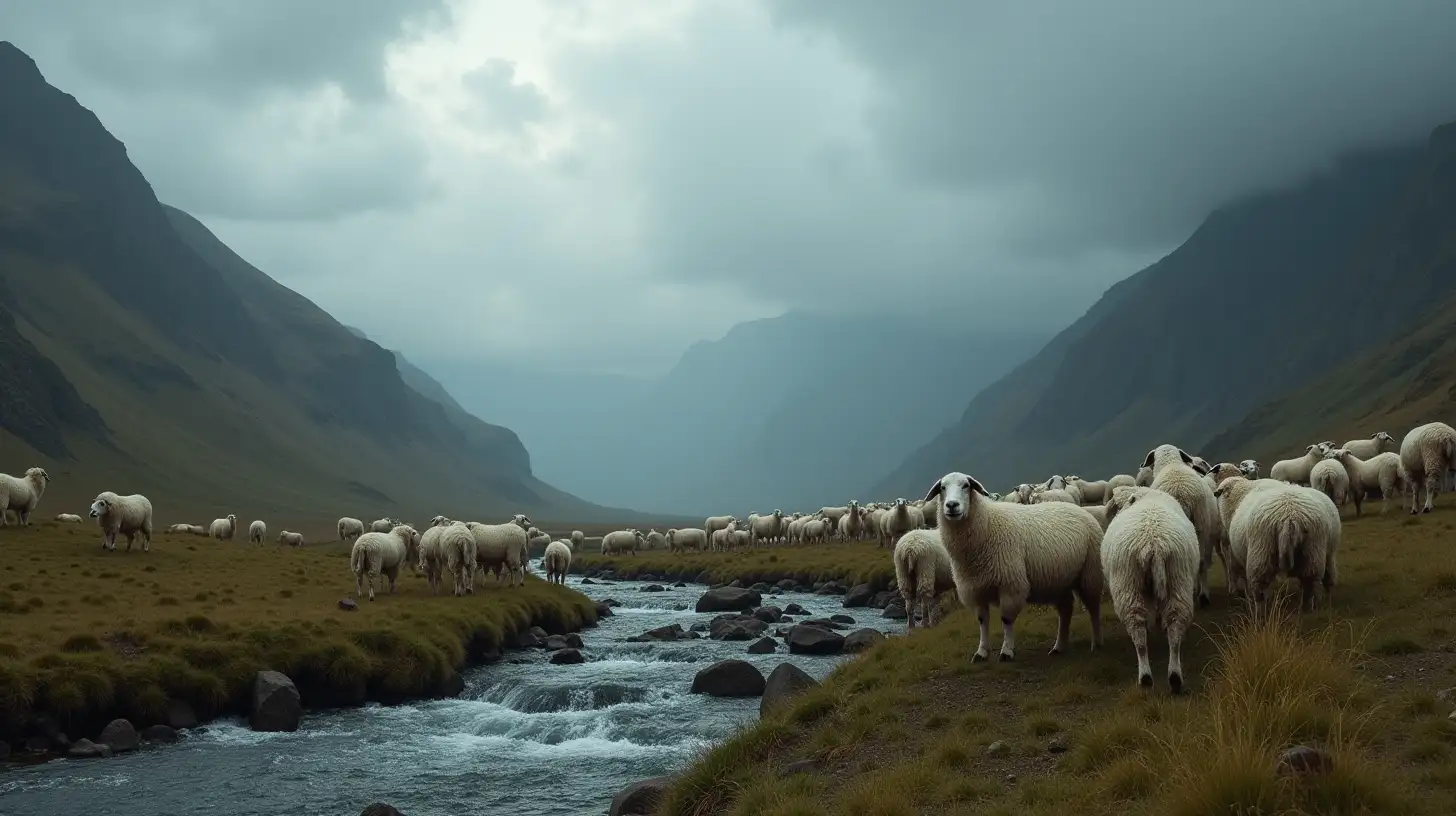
(1145,680)
(977,657)
(1007,657)
(1425,509)
(1175,682)
(1056,650)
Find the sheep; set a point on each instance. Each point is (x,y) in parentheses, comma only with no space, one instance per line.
(654,541)
(1091,492)
(383,525)
(899,520)
(290,538)
(720,540)
(922,571)
(1019,554)
(1330,478)
(1296,471)
(1098,512)
(68,518)
(765,528)
(180,528)
(375,554)
(350,528)
(1367,449)
(930,514)
(1200,466)
(1230,493)
(257,531)
(21,496)
(578,538)
(713,524)
(502,547)
(687,538)
(1250,468)
(852,524)
(432,555)
(1150,554)
(1426,453)
(557,561)
(1284,528)
(223,529)
(457,543)
(1173,474)
(1381,472)
(742,539)
(623,541)
(816,530)
(1144,477)
(540,539)
(128,515)
(1221,471)
(198,530)
(834,514)
(1055,495)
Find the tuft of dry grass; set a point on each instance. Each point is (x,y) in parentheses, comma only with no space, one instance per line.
(849,563)
(87,635)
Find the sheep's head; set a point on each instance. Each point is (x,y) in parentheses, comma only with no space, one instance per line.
(1336,453)
(955,490)
(641,539)
(900,503)
(1055,483)
(232,517)
(1227,486)
(1382,436)
(100,506)
(853,504)
(522,520)
(38,475)
(1164,455)
(1073,479)
(439,521)
(1201,465)
(1249,468)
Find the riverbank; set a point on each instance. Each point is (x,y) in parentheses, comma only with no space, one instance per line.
(914,728)
(849,564)
(87,636)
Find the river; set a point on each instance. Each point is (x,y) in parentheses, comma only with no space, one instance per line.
(526,738)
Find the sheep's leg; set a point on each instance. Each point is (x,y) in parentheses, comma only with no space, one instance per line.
(1137,629)
(1064,624)
(359,584)
(1175,628)
(1434,478)
(983,616)
(1307,597)
(910,601)
(1010,609)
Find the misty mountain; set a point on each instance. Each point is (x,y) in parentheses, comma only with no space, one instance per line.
(1269,294)
(794,411)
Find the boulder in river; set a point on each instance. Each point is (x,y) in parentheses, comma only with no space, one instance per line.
(736,627)
(566,657)
(672,631)
(830,588)
(883,599)
(768,614)
(861,639)
(729,599)
(86,749)
(554,642)
(573,641)
(814,640)
(120,736)
(783,682)
(639,798)
(276,705)
(895,611)
(729,678)
(858,595)
(795,609)
(765,645)
(604,610)
(380,809)
(164,734)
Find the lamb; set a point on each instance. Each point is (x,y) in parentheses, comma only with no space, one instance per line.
(128,515)
(1296,471)
(900,519)
(578,538)
(1289,529)
(1150,554)
(557,561)
(290,538)
(257,531)
(623,541)
(1330,478)
(687,538)
(69,518)
(458,545)
(375,554)
(502,547)
(1367,449)
(922,571)
(1019,554)
(1426,453)
(21,496)
(1173,474)
(765,527)
(223,529)
(350,528)
(712,524)
(721,540)
(1382,472)
(1090,492)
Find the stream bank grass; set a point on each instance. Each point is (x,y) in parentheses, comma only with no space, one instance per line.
(913,727)
(87,635)
(849,563)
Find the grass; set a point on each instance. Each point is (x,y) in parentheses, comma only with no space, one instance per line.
(913,727)
(850,564)
(88,635)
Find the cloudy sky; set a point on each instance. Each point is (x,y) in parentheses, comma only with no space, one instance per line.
(598,183)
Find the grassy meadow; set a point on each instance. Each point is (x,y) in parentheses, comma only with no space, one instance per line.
(850,564)
(87,635)
(913,727)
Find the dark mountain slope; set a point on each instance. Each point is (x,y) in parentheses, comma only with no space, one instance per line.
(1247,308)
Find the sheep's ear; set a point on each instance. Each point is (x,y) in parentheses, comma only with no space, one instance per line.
(976,486)
(1187,460)
(1148,462)
(935,490)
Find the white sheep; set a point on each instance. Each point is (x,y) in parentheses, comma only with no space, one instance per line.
(654,540)
(69,518)
(721,539)
(1053,494)
(457,542)
(223,529)
(1017,554)
(1098,512)
(1230,493)
(1367,449)
(852,524)
(1330,478)
(432,558)
(375,554)
(257,531)
(922,571)
(127,515)
(578,538)
(502,547)
(290,538)
(1382,472)
(1091,492)
(1144,477)
(1173,474)
(197,530)
(383,525)
(713,524)
(557,561)
(1286,529)
(1426,453)
(1120,480)
(350,528)
(623,541)
(741,539)
(180,528)
(21,496)
(1150,555)
(834,514)
(687,538)
(1296,471)
(900,519)
(765,528)
(1250,468)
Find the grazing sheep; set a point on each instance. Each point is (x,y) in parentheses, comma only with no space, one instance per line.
(578,538)
(1426,453)
(900,519)
(127,515)
(922,571)
(1173,474)
(502,547)
(198,530)
(557,561)
(70,518)
(1284,529)
(257,531)
(290,538)
(687,538)
(1150,555)
(1381,472)
(623,541)
(375,554)
(457,542)
(350,528)
(21,496)
(1367,449)
(765,528)
(223,529)
(1330,478)
(1019,554)
(1296,471)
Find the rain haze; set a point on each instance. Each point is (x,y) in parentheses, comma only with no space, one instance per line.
(560,208)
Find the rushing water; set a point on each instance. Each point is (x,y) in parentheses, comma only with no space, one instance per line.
(526,738)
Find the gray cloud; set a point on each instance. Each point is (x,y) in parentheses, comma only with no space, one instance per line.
(508,104)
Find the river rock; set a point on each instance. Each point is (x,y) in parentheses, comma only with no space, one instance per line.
(785,585)
(883,599)
(783,682)
(86,749)
(164,734)
(348,605)
(736,583)
(604,610)
(120,736)
(653,588)
(729,678)
(861,639)
(728,599)
(768,614)
(814,640)
(795,609)
(858,595)
(276,705)
(528,640)
(587,581)
(639,798)
(842,618)
(823,623)
(704,577)
(380,809)
(567,657)
(761,588)
(180,714)
(830,588)
(763,646)
(672,631)
(554,643)
(573,641)
(736,627)
(679,584)
(895,611)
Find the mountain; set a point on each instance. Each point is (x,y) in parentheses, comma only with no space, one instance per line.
(140,354)
(794,411)
(1268,295)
